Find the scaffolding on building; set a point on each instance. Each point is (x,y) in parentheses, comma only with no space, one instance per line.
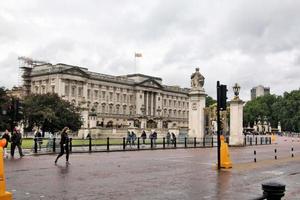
(26,65)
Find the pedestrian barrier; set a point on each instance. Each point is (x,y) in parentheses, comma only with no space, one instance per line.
(89,144)
(4,195)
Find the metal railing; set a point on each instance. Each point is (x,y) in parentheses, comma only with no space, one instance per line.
(52,145)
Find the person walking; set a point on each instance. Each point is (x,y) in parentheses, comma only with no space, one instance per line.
(144,136)
(168,138)
(39,139)
(154,137)
(7,137)
(173,138)
(16,141)
(133,138)
(128,139)
(64,145)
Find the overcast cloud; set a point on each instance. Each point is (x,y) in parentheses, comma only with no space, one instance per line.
(249,42)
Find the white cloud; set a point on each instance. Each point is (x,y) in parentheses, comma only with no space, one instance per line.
(249,42)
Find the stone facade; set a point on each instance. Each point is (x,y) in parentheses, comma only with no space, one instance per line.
(134,100)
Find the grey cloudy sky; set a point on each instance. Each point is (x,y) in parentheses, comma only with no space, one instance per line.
(250,42)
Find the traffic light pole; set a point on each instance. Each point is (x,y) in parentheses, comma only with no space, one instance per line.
(219,125)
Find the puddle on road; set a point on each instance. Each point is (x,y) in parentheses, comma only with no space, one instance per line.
(273,172)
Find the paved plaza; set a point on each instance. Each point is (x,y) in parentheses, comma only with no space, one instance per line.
(161,174)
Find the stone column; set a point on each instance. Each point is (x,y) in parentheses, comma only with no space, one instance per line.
(196,106)
(196,113)
(154,104)
(146,102)
(236,120)
(143,123)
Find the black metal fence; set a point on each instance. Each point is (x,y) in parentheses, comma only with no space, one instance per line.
(52,145)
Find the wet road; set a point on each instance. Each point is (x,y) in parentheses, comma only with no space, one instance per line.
(160,174)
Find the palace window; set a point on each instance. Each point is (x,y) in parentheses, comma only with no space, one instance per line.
(118,97)
(73,91)
(66,90)
(111,96)
(131,98)
(89,93)
(103,95)
(96,94)
(80,91)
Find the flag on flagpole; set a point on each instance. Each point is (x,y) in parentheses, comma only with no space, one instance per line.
(138,55)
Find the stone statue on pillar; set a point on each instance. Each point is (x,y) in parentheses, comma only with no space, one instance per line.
(196,105)
(197,80)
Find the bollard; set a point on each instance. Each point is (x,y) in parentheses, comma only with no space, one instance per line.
(175,143)
(70,145)
(254,156)
(35,145)
(261,142)
(164,142)
(292,152)
(275,151)
(273,190)
(138,145)
(185,143)
(251,141)
(54,147)
(195,142)
(107,144)
(203,142)
(212,141)
(4,195)
(245,141)
(255,140)
(124,144)
(90,144)
(151,143)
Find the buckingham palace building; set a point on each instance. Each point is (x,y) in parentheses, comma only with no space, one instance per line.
(133,100)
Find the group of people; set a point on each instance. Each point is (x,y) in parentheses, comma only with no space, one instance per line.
(131,137)
(16,141)
(15,138)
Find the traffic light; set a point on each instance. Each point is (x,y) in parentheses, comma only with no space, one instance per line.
(19,110)
(222,96)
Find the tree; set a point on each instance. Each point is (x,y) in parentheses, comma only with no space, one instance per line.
(4,106)
(50,113)
(288,111)
(261,106)
(209,101)
(284,109)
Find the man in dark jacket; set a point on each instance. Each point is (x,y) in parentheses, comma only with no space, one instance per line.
(7,137)
(16,140)
(64,145)
(144,136)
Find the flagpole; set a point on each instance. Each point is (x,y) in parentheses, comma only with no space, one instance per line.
(135,63)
